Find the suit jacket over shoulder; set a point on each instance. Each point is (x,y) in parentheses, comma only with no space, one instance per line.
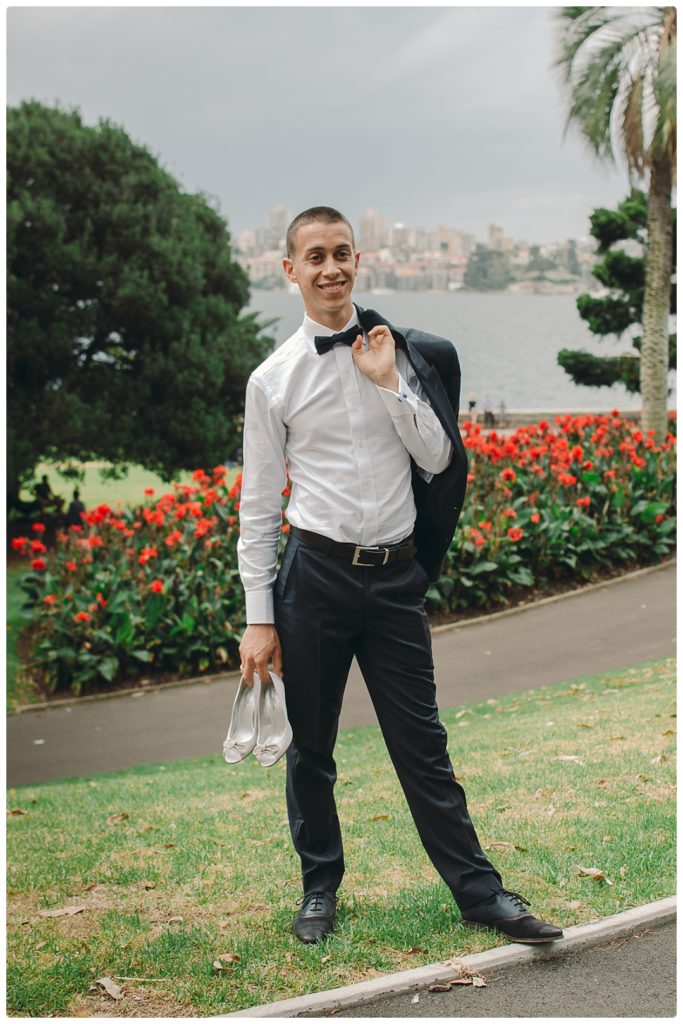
(439,502)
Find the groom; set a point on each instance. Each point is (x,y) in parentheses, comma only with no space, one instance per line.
(363,418)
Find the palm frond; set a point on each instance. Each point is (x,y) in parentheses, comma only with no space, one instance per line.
(664,87)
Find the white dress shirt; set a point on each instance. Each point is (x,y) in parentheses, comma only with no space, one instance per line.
(347,444)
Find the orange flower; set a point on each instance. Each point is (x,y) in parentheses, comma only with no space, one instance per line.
(70,566)
(583,502)
(535,517)
(509,513)
(156,586)
(515,534)
(49,599)
(508,474)
(82,617)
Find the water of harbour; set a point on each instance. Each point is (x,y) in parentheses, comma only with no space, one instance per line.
(507,343)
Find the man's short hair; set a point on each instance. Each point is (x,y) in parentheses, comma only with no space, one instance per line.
(326,214)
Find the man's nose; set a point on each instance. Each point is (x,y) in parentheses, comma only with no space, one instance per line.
(330,267)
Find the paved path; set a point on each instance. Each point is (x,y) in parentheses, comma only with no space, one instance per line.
(608,627)
(632,976)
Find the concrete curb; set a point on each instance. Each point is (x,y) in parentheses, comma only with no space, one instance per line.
(585,935)
(138,691)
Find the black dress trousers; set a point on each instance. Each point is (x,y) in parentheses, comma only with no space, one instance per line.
(327,611)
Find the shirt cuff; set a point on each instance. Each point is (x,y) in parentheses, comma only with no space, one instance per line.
(399,403)
(259,604)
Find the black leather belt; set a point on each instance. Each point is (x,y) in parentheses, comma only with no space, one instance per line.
(357,554)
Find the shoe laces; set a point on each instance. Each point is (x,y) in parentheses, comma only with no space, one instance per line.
(517,897)
(313,901)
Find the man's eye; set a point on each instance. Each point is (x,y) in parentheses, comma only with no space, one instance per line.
(343,254)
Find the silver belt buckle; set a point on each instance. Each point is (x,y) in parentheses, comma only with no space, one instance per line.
(356,556)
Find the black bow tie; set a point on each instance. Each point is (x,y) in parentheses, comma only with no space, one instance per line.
(324,344)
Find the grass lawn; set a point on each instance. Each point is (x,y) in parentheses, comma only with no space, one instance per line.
(175,865)
(95,491)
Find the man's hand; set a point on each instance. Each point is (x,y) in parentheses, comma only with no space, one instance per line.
(378,362)
(260,644)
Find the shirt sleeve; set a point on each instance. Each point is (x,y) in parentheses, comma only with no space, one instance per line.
(415,421)
(264,477)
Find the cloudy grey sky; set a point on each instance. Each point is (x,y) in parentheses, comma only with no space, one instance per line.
(433,115)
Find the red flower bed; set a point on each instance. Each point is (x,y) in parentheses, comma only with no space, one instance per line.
(156,588)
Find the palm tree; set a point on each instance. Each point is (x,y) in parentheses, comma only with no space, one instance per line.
(619,64)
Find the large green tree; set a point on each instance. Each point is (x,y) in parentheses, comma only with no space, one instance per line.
(623,274)
(126,340)
(619,65)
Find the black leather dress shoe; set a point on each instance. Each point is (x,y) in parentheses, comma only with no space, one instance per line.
(315,920)
(505,912)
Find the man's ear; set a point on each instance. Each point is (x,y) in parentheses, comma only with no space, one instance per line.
(288,268)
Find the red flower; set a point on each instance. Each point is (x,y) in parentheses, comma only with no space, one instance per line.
(173,538)
(146,554)
(485,525)
(95,541)
(285,527)
(19,544)
(100,600)
(149,491)
(535,517)
(566,478)
(583,502)
(286,493)
(70,566)
(232,520)
(38,528)
(514,533)
(39,564)
(509,513)
(659,519)
(49,599)
(508,474)
(156,586)
(82,617)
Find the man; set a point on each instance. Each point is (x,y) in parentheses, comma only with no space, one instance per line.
(348,418)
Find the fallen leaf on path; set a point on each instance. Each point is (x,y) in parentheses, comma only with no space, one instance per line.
(61,911)
(380,817)
(149,885)
(41,945)
(669,732)
(661,758)
(439,988)
(116,819)
(415,999)
(461,981)
(459,715)
(175,920)
(110,987)
(478,982)
(416,949)
(584,725)
(17,810)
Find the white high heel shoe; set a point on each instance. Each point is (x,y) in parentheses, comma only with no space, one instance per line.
(241,738)
(274,731)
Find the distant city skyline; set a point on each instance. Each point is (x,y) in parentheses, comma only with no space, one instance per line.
(444,115)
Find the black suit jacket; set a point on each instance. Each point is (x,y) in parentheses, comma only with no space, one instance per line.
(439,502)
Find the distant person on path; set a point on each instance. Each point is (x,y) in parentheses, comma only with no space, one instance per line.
(472,407)
(489,418)
(502,414)
(350,406)
(74,515)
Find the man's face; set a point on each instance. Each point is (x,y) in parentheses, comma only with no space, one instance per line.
(324,266)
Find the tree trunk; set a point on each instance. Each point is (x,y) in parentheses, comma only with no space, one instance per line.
(654,359)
